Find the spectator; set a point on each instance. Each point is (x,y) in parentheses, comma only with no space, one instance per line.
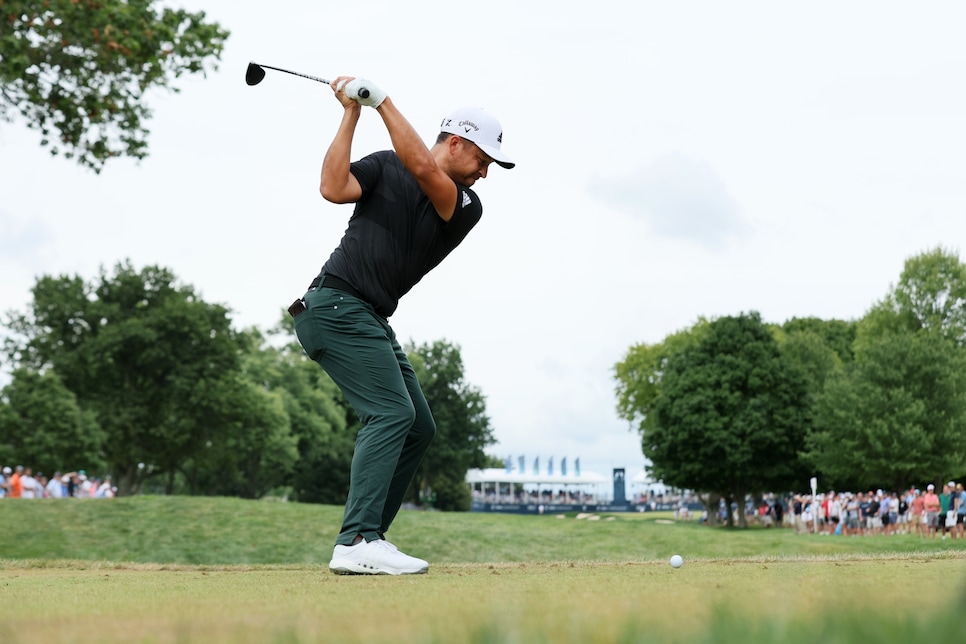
(55,488)
(835,513)
(5,481)
(105,490)
(28,485)
(895,511)
(931,507)
(947,513)
(919,513)
(16,483)
(960,510)
(902,512)
(854,510)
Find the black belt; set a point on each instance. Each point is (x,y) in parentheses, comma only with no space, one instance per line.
(329,281)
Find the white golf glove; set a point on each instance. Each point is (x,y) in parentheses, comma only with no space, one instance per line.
(364,92)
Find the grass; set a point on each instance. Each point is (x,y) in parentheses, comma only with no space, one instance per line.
(175,569)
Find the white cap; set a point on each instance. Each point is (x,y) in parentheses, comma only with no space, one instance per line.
(479,126)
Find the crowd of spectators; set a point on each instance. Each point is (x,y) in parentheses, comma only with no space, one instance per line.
(21,482)
(925,513)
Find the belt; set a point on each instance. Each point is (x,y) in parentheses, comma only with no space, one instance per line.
(330,281)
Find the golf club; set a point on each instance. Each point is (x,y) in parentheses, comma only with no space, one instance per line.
(256,72)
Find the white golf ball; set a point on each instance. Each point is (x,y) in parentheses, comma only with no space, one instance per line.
(676,561)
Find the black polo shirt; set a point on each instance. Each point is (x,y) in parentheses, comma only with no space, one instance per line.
(395,236)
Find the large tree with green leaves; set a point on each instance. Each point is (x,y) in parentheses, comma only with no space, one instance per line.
(462,427)
(154,363)
(896,417)
(44,426)
(929,297)
(79,70)
(640,374)
(731,416)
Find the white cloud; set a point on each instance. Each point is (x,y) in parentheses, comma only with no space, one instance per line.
(679,197)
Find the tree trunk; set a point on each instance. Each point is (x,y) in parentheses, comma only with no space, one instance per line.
(127,481)
(710,502)
(729,517)
(742,518)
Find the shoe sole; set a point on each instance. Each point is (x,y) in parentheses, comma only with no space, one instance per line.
(340,568)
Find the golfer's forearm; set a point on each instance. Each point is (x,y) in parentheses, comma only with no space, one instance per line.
(336,181)
(410,149)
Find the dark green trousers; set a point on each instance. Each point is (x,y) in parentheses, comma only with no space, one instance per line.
(358,349)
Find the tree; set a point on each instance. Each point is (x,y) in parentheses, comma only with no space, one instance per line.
(78,71)
(462,427)
(731,416)
(639,375)
(837,335)
(44,427)
(930,296)
(897,416)
(151,360)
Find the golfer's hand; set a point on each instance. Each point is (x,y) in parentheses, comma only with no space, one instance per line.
(338,87)
(365,92)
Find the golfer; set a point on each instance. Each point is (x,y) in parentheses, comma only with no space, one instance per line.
(413,206)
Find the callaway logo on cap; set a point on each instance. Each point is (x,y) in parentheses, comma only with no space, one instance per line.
(479,126)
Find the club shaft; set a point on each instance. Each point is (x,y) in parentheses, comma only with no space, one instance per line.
(287,71)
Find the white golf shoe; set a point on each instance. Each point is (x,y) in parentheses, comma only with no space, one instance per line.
(377,557)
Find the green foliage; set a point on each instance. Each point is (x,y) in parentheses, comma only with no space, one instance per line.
(44,426)
(898,416)
(78,71)
(930,297)
(837,335)
(732,414)
(452,493)
(153,363)
(462,427)
(639,374)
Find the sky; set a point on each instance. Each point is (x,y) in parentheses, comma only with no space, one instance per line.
(674,160)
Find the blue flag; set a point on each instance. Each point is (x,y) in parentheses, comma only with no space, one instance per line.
(563,466)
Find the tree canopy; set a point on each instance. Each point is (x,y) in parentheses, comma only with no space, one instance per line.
(79,71)
(132,374)
(732,414)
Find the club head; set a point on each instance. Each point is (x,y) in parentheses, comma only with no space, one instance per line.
(254,75)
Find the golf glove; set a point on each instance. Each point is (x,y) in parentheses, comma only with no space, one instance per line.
(355,89)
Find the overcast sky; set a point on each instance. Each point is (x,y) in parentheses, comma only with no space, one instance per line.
(674,160)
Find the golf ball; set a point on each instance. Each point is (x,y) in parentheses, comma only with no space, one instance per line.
(676,561)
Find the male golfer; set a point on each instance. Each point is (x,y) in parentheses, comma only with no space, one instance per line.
(413,205)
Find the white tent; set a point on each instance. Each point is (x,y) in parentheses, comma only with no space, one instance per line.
(501,484)
(500,475)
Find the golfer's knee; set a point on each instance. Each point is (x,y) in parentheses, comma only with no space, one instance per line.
(424,429)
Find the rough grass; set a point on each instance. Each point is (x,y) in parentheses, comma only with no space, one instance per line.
(226,570)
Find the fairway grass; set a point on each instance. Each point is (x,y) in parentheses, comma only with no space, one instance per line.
(176,569)
(878,598)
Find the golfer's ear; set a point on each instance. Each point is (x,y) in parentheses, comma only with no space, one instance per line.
(454,143)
